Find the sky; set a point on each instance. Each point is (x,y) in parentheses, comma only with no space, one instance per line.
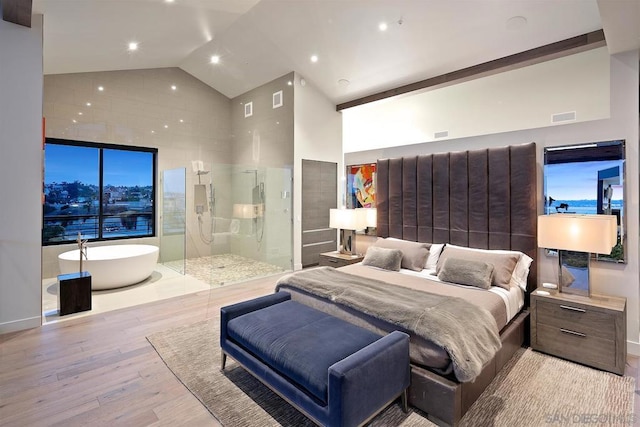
(68,163)
(128,168)
(577,181)
(121,167)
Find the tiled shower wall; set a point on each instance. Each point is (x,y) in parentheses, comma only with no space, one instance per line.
(264,141)
(140,108)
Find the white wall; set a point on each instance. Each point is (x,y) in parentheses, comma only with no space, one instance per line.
(519,99)
(20,174)
(607,278)
(317,136)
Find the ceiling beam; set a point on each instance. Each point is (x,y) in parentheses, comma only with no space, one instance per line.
(547,52)
(17,11)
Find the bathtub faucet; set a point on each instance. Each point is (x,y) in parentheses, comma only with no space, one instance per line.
(82,246)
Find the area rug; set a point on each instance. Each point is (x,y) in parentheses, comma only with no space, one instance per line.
(533,389)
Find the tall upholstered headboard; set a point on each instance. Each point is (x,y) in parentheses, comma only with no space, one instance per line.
(481,199)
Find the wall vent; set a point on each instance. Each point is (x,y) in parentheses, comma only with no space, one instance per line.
(563,117)
(248,109)
(277,99)
(441,134)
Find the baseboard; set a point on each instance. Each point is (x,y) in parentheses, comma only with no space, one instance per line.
(19,325)
(297,267)
(633,348)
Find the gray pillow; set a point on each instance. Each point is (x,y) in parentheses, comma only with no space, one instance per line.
(503,263)
(414,254)
(465,272)
(388,259)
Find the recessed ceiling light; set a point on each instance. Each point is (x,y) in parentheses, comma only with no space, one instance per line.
(215,59)
(166,126)
(80,113)
(181,121)
(314,58)
(383,26)
(133,46)
(174,87)
(516,23)
(290,83)
(153,131)
(100,88)
(74,121)
(169,1)
(88,104)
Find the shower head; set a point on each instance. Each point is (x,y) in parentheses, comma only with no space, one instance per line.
(202,172)
(197,165)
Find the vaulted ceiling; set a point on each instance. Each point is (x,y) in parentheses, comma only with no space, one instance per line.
(257,41)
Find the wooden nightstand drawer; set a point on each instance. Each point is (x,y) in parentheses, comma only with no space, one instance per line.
(577,346)
(336,259)
(588,330)
(577,317)
(332,262)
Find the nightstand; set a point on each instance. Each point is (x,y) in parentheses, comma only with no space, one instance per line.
(336,259)
(588,330)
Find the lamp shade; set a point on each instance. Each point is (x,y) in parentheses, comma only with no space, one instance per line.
(370,216)
(583,233)
(347,219)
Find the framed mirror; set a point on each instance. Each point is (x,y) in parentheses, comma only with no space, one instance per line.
(588,179)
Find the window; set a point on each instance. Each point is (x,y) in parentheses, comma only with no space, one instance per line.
(101,191)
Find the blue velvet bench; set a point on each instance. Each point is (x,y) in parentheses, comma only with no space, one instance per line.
(334,372)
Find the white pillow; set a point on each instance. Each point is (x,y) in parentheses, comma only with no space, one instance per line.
(520,271)
(434,254)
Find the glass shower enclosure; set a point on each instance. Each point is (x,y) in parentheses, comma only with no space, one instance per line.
(173,219)
(244,225)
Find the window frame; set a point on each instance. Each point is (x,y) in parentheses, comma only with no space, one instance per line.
(101,215)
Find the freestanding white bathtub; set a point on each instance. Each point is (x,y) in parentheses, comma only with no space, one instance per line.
(112,266)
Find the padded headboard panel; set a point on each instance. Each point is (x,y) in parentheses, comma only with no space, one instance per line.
(481,199)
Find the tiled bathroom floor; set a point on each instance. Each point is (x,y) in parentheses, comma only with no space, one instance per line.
(224,269)
(162,284)
(202,274)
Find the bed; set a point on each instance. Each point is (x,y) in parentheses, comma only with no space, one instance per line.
(482,199)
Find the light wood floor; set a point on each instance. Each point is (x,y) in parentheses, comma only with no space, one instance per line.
(100,369)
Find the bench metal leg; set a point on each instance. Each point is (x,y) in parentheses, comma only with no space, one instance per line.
(403,399)
(223,360)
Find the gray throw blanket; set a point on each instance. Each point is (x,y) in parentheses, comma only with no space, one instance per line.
(468,333)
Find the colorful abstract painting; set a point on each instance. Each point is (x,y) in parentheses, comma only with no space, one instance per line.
(361,186)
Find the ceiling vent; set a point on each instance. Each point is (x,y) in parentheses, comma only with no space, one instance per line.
(563,117)
(441,134)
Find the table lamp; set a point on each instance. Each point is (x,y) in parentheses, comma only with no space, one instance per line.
(580,235)
(348,221)
(371,216)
